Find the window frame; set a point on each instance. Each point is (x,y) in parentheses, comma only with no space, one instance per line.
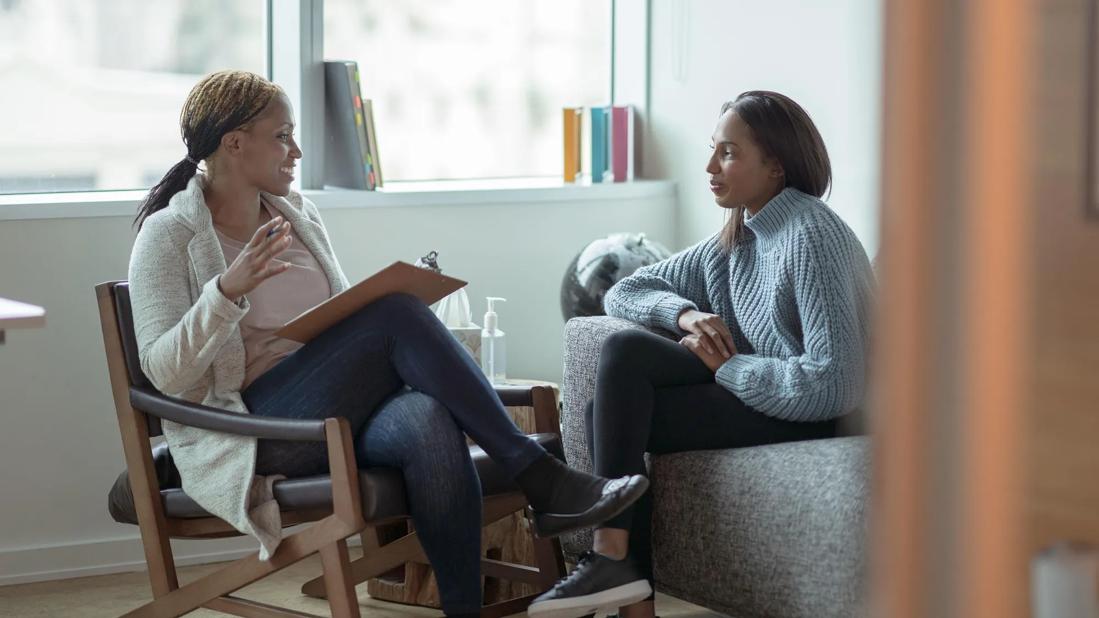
(295,48)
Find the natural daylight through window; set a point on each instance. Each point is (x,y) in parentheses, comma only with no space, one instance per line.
(91,91)
(473,88)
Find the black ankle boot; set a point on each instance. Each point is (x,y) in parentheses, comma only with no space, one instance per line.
(550,485)
(563,499)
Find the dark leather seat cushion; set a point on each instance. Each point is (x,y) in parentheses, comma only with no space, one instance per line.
(382,489)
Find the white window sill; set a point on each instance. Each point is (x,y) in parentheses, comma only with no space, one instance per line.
(509,191)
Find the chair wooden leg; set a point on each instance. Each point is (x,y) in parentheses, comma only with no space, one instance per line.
(550,560)
(374,562)
(244,571)
(237,606)
(550,563)
(159,559)
(550,566)
(377,559)
(338,586)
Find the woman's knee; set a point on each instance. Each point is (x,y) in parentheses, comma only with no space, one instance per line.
(401,304)
(406,426)
(624,346)
(428,424)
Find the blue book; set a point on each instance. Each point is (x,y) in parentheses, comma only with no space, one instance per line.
(599,158)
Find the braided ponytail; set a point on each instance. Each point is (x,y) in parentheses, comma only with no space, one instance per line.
(221,102)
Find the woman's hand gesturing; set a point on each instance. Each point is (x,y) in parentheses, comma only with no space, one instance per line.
(713,335)
(255,263)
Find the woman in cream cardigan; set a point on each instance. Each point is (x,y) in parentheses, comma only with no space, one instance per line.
(223,258)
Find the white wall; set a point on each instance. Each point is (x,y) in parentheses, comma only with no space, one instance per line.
(59,444)
(826,55)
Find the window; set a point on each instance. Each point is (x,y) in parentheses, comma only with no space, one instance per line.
(473,88)
(93,90)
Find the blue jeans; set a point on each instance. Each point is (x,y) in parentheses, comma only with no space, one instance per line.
(409,390)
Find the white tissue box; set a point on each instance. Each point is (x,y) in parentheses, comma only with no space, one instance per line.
(470,338)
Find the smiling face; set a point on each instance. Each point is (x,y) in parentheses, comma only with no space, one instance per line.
(268,151)
(741,175)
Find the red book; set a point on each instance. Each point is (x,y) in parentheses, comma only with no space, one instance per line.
(622,142)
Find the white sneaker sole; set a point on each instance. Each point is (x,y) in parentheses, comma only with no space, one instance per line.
(608,600)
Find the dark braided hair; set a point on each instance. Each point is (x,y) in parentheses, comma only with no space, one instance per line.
(783,130)
(220,103)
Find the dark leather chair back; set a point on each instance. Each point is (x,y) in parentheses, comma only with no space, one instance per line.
(129,347)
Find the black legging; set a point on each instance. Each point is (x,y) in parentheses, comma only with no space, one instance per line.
(654,395)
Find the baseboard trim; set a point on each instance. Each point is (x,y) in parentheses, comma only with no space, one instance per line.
(103,557)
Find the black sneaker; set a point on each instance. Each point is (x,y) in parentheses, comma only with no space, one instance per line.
(598,583)
(616,496)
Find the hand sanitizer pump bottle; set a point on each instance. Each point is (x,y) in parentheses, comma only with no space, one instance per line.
(493,352)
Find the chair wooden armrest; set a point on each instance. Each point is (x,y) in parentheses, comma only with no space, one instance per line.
(542,398)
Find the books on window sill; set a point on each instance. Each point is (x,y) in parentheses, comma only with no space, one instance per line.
(605,135)
(351,142)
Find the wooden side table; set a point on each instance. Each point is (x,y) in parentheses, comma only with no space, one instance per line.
(14,314)
(507,539)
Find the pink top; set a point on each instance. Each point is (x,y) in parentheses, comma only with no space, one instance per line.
(275,302)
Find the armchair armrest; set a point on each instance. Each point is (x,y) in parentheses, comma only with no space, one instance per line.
(584,339)
(154,403)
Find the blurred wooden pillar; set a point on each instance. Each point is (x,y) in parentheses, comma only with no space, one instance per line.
(954,331)
(1063,428)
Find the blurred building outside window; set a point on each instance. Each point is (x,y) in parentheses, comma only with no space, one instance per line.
(473,88)
(90,92)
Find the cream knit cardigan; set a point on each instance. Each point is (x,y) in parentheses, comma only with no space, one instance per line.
(190,347)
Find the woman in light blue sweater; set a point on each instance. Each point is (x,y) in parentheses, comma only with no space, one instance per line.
(772,317)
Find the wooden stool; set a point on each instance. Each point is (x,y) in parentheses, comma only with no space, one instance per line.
(506,539)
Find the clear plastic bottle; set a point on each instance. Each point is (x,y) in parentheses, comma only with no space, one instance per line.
(493,345)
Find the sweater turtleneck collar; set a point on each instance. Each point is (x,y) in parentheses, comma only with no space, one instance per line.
(772,218)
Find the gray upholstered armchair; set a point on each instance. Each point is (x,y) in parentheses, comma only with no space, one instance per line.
(775,530)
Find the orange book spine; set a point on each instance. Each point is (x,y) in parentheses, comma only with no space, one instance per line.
(571,119)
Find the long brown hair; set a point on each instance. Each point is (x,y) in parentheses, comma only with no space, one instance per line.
(222,102)
(785,132)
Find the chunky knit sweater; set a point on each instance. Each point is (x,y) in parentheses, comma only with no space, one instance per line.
(795,291)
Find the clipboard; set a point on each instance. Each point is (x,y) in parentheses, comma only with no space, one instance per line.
(427,285)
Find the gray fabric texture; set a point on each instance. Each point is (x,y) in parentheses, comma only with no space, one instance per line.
(775,530)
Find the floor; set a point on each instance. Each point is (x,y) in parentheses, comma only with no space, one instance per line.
(114,595)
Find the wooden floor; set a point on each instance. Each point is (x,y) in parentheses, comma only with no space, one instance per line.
(113,595)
